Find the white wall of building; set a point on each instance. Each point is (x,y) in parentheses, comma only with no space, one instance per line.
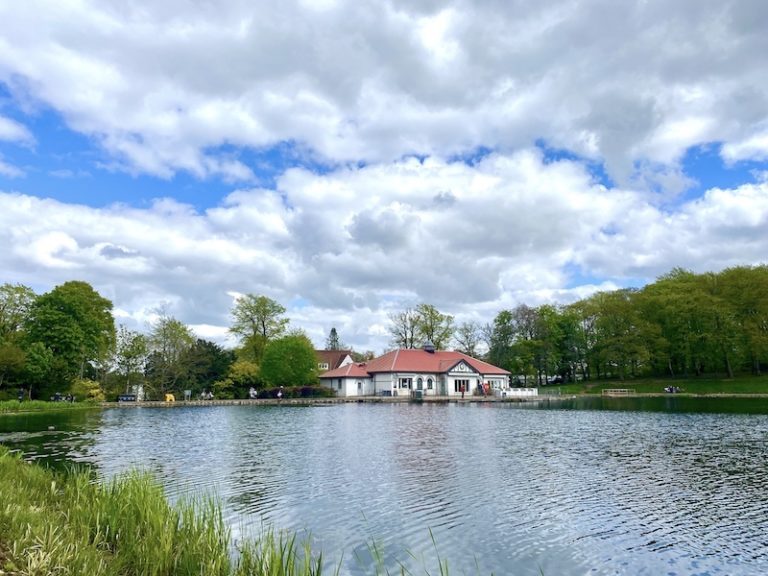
(389,384)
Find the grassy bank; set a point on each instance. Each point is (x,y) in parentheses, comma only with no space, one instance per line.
(68,525)
(703,386)
(15,407)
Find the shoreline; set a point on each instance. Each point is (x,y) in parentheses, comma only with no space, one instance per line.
(408,400)
(371,400)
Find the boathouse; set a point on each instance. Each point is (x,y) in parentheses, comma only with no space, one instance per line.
(428,371)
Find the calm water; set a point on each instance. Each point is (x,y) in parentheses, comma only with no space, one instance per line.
(679,487)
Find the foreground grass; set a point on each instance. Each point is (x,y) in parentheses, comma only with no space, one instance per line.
(53,524)
(67,525)
(703,386)
(16,407)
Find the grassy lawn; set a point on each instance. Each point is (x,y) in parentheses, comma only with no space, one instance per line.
(16,407)
(703,385)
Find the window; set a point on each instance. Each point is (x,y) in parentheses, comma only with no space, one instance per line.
(323,365)
(406,383)
(457,384)
(339,383)
(420,384)
(429,383)
(359,386)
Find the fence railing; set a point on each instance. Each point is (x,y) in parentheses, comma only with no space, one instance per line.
(618,391)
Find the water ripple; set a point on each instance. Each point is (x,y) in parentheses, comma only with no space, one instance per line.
(503,489)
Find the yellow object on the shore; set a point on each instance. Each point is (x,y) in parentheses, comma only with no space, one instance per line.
(170,398)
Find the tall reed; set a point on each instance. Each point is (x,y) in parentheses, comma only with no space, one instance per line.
(67,524)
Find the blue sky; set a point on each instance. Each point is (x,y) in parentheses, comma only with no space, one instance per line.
(375,155)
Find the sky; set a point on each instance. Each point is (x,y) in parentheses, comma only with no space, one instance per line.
(350,159)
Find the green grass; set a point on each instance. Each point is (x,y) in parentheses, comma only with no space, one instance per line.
(704,385)
(55,524)
(16,407)
(69,525)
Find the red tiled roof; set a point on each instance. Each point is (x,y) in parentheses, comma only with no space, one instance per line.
(417,360)
(332,357)
(348,371)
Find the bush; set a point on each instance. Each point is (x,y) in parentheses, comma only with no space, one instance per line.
(298,392)
(85,389)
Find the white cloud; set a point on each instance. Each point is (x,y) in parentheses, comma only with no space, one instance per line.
(12,131)
(9,170)
(383,93)
(753,147)
(345,248)
(168,86)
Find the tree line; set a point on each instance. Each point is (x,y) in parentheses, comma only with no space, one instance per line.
(683,324)
(66,341)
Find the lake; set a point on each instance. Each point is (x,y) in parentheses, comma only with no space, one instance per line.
(589,486)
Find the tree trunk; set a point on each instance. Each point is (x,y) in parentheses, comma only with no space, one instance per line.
(728,367)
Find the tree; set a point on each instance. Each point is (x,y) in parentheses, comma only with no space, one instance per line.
(257,320)
(412,328)
(745,289)
(501,340)
(621,334)
(76,324)
(241,376)
(169,340)
(290,361)
(12,361)
(258,316)
(687,319)
(206,363)
(404,328)
(468,338)
(38,367)
(433,326)
(333,342)
(15,305)
(130,355)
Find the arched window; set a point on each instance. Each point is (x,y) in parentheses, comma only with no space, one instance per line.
(429,383)
(419,384)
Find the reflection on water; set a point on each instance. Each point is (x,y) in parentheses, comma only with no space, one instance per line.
(594,486)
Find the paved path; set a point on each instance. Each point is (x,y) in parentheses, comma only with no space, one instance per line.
(321,401)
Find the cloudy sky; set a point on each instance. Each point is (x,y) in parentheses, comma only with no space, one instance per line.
(350,158)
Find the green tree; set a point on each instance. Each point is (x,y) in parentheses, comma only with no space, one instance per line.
(76,324)
(501,340)
(621,333)
(206,363)
(15,305)
(333,342)
(258,316)
(687,316)
(241,377)
(433,326)
(130,356)
(746,290)
(38,367)
(290,361)
(12,361)
(412,328)
(169,341)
